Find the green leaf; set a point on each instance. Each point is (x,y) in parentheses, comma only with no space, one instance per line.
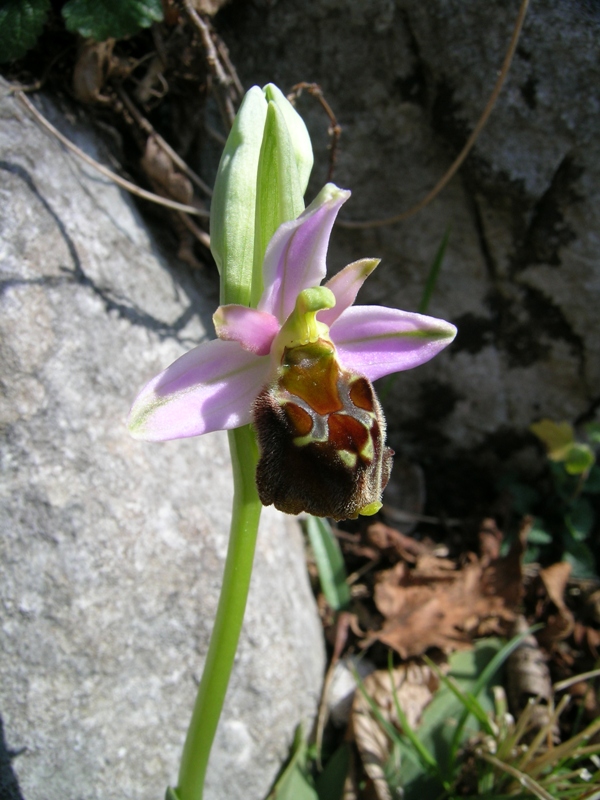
(579,555)
(171,794)
(232,211)
(592,430)
(580,519)
(110,19)
(21,22)
(538,535)
(330,783)
(558,437)
(330,563)
(524,497)
(293,784)
(579,459)
(440,720)
(592,482)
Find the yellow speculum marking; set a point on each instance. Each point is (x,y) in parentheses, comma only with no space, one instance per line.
(370,509)
(349,459)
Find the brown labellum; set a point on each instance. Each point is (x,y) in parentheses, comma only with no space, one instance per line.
(321,433)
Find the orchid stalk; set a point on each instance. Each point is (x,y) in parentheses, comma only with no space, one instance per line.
(289,375)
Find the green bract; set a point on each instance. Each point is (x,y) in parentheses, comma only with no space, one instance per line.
(260,184)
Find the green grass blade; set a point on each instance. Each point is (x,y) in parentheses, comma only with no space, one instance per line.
(330,563)
(426,758)
(521,777)
(486,676)
(434,272)
(469,701)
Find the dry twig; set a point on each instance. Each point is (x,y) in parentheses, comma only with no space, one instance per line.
(335,129)
(124,184)
(147,127)
(229,86)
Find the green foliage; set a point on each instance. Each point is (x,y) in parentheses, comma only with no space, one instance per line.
(429,761)
(21,22)
(564,518)
(330,782)
(293,782)
(106,19)
(330,563)
(467,745)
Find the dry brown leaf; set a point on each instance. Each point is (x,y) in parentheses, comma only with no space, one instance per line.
(415,685)
(385,538)
(92,68)
(209,7)
(586,635)
(559,625)
(490,539)
(166,180)
(528,676)
(437,605)
(430,566)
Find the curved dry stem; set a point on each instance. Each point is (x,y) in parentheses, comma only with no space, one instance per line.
(521,777)
(379,223)
(147,127)
(124,184)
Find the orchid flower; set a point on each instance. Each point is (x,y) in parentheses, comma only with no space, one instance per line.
(289,376)
(300,367)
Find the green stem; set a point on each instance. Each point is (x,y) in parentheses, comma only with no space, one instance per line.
(230,615)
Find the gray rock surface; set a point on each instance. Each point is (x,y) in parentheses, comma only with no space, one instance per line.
(111,550)
(408,81)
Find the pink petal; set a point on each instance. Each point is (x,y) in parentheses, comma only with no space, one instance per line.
(254,330)
(376,341)
(210,388)
(345,286)
(296,255)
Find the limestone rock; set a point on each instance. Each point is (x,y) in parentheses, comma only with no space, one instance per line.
(111,550)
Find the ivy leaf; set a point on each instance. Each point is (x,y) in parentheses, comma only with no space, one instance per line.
(21,22)
(110,19)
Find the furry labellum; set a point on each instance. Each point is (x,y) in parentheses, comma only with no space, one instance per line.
(321,434)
